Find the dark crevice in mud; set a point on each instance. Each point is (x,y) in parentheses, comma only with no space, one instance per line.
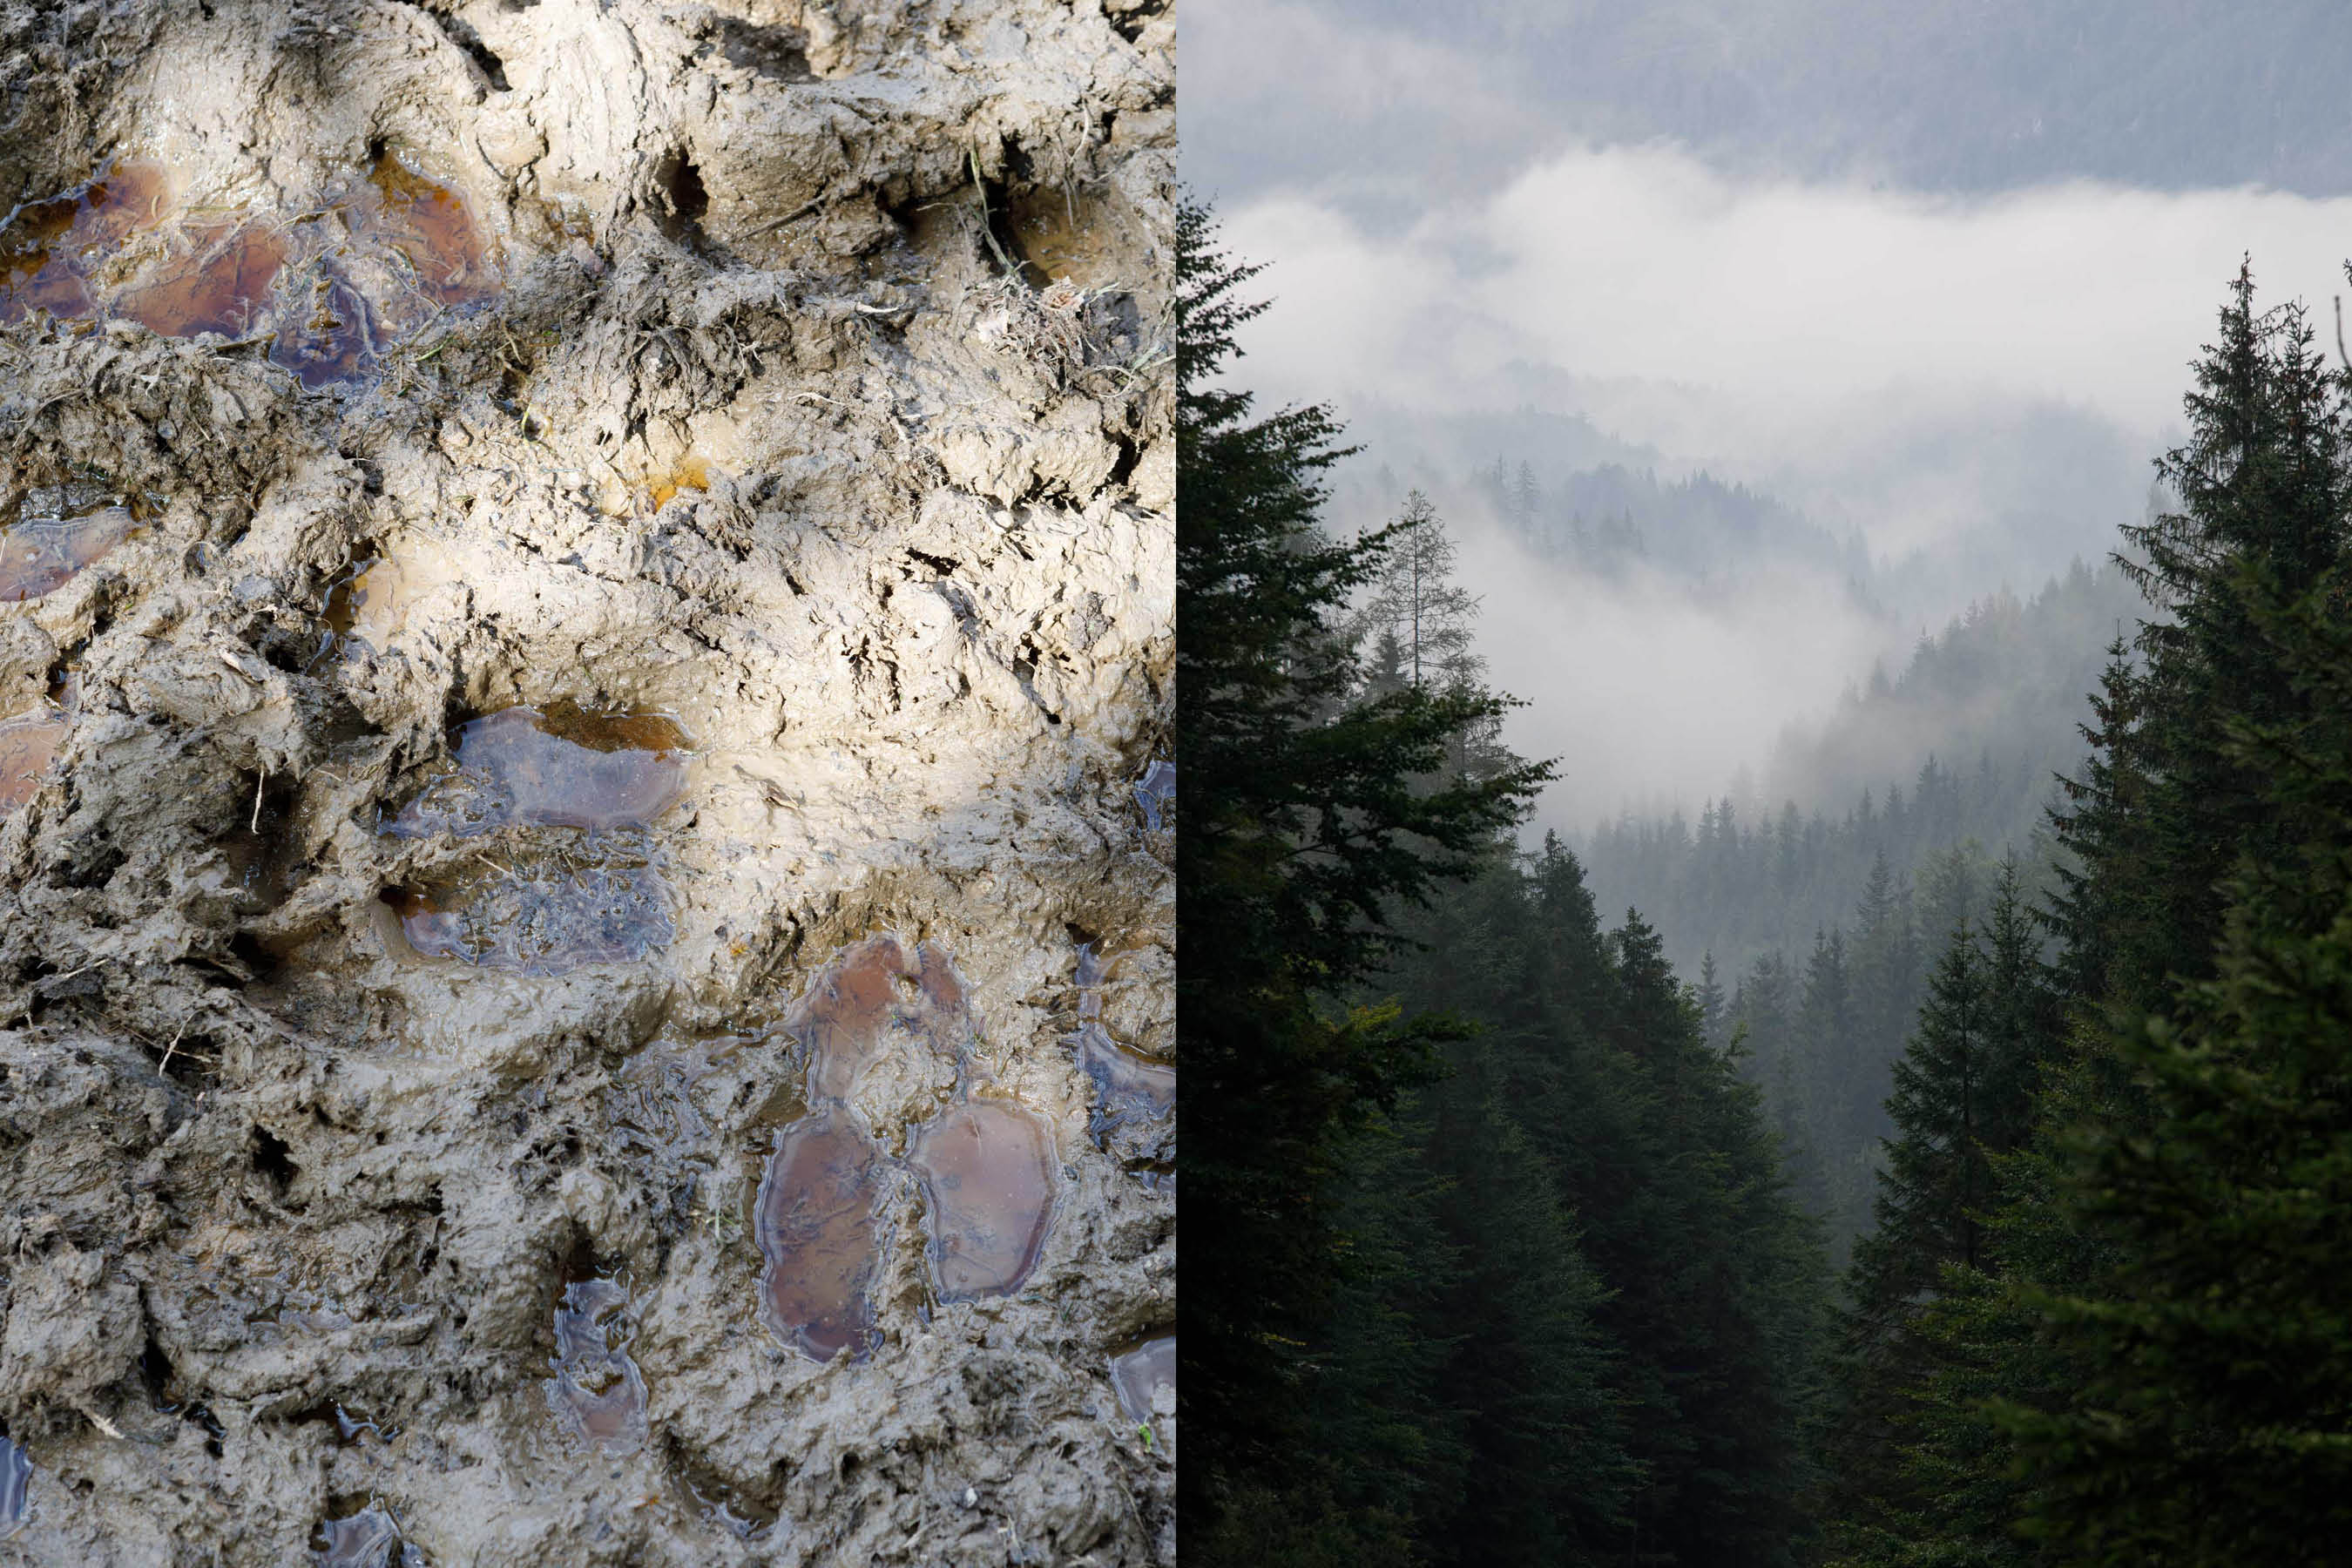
(1137,16)
(1001,239)
(155,1373)
(255,955)
(1129,455)
(272,1160)
(460,32)
(679,194)
(202,1416)
(90,862)
(778,52)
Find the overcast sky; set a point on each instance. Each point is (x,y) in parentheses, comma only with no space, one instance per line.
(1967,351)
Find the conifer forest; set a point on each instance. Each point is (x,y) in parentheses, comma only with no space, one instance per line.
(1931,1146)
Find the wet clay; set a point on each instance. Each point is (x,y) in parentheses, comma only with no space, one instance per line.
(816,1229)
(661,388)
(543,916)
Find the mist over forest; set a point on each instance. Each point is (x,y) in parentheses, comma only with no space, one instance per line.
(1775,674)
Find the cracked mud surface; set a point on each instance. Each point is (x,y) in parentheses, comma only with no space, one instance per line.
(474,658)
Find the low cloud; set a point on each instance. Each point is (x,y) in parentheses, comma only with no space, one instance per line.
(1973,385)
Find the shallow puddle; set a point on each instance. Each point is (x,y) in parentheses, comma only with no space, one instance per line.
(57,531)
(220,283)
(49,250)
(988,1174)
(428,226)
(563,768)
(1140,1371)
(1157,788)
(333,287)
(1065,239)
(546,915)
(28,745)
(854,1012)
(597,1390)
(368,1539)
(1129,1084)
(16,1488)
(817,1227)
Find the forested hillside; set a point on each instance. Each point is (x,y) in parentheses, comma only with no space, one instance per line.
(1812,937)
(1514,1262)
(2101,1320)
(1608,518)
(1504,1270)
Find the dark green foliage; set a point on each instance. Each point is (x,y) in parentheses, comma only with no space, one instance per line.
(1309,816)
(2159,824)
(2215,1422)
(1621,1314)
(2142,1351)
(1961,1104)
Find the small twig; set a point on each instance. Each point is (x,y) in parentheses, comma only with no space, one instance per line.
(986,232)
(166,1065)
(255,827)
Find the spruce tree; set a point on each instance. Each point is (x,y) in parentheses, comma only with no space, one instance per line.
(2215,1422)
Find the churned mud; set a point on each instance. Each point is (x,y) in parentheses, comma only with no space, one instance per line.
(585,907)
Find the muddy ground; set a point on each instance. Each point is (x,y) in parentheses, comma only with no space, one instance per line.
(383,1128)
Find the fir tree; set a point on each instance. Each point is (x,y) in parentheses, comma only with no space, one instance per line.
(1313,833)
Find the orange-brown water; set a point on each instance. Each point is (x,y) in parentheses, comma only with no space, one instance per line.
(1065,239)
(690,472)
(334,288)
(42,550)
(818,1225)
(28,745)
